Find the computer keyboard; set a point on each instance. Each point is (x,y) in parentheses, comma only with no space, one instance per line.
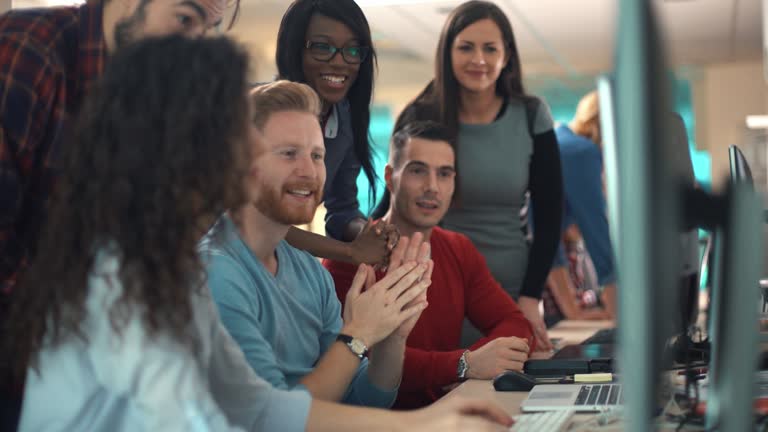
(604,336)
(552,421)
(600,394)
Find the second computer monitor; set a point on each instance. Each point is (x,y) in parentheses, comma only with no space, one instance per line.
(740,172)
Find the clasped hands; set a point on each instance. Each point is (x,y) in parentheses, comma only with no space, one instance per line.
(375,310)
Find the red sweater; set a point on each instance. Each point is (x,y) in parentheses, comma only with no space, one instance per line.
(462,286)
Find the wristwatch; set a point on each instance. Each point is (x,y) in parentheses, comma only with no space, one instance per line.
(355,345)
(463,366)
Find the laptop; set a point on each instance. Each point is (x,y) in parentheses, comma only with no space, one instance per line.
(573,397)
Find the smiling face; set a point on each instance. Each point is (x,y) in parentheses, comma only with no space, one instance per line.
(191,18)
(478,56)
(330,79)
(421,184)
(288,171)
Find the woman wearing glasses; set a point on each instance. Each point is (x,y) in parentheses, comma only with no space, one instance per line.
(327,45)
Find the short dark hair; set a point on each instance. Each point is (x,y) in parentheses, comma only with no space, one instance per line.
(429,130)
(291,42)
(158,148)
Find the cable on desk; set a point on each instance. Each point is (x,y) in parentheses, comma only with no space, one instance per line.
(599,421)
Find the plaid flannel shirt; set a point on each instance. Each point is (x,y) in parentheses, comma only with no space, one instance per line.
(48,59)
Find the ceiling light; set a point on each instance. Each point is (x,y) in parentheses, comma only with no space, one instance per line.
(757,122)
(18,4)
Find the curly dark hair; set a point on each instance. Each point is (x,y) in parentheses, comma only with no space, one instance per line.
(158,151)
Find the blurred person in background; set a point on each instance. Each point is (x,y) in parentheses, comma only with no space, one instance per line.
(587,243)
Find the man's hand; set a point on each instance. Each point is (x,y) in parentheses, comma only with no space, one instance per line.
(407,326)
(374,313)
(458,414)
(409,250)
(497,356)
(530,308)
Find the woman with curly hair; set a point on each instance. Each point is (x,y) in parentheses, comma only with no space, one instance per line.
(104,310)
(114,318)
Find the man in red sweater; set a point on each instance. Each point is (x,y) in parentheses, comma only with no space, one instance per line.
(420,180)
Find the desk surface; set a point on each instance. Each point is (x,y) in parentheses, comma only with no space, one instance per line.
(571,332)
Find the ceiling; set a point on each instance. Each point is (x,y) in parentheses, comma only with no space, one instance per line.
(572,37)
(561,41)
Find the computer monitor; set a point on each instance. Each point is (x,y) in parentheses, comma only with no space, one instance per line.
(734,293)
(605,97)
(651,217)
(679,153)
(740,172)
(648,214)
(733,329)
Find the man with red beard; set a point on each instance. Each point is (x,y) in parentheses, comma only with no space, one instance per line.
(277,301)
(420,180)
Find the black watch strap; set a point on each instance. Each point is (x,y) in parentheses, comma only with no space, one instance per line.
(357,346)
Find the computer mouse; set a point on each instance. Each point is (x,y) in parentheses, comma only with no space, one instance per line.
(513,381)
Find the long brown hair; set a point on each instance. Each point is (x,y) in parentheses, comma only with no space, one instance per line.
(158,150)
(439,101)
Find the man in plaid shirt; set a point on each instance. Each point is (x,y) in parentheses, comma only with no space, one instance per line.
(48,59)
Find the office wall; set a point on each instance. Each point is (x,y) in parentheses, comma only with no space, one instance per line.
(396,97)
(723,95)
(5,5)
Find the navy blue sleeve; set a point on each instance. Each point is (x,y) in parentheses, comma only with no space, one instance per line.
(582,178)
(545,183)
(341,199)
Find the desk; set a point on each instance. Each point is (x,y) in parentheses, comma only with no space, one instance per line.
(571,332)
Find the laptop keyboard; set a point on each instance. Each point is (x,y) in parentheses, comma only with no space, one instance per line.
(604,336)
(605,394)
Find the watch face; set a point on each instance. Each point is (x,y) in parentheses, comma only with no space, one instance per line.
(357,347)
(462,369)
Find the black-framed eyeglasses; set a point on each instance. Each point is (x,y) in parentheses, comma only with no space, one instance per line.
(325,52)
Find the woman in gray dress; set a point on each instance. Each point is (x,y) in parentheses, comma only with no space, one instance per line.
(507,153)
